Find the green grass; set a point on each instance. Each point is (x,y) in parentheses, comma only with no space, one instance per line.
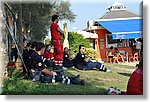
(96,82)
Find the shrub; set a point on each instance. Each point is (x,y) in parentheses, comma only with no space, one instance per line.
(75,40)
(90,52)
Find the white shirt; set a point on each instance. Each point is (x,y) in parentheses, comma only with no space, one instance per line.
(138,45)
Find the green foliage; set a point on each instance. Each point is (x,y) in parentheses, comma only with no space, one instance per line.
(36,17)
(47,41)
(62,9)
(90,52)
(75,40)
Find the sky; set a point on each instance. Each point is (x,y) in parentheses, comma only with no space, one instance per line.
(94,9)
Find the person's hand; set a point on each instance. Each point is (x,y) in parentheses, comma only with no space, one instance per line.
(87,59)
(54,73)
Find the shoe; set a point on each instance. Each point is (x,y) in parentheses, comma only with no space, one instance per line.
(64,68)
(77,81)
(108,70)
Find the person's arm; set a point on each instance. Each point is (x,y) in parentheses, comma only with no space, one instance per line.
(59,30)
(47,72)
(86,59)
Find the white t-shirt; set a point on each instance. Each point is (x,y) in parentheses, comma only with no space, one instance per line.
(138,45)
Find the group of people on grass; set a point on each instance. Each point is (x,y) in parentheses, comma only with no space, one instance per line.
(38,58)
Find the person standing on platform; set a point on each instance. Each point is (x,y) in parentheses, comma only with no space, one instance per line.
(56,34)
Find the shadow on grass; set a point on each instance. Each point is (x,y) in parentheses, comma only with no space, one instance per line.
(125,74)
(17,85)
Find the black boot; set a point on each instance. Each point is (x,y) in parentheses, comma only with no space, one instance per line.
(76,80)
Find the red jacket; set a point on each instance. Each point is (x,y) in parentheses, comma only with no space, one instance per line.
(135,83)
(54,32)
(48,55)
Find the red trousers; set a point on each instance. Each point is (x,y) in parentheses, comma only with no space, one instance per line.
(58,51)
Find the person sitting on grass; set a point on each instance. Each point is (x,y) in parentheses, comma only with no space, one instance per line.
(68,60)
(48,53)
(84,63)
(39,71)
(135,82)
(25,55)
(134,85)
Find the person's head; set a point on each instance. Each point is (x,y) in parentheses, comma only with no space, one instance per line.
(40,48)
(82,48)
(33,45)
(28,45)
(66,49)
(55,18)
(25,43)
(48,48)
(111,47)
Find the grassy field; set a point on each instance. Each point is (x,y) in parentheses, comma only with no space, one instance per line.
(96,82)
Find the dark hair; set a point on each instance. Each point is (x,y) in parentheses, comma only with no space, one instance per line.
(39,46)
(65,48)
(47,47)
(81,46)
(33,45)
(111,47)
(28,44)
(54,17)
(116,49)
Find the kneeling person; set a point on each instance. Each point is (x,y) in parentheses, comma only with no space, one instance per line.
(41,73)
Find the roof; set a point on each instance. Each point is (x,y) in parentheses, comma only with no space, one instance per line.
(118,14)
(88,34)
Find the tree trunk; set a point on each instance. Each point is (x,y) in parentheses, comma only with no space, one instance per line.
(3,53)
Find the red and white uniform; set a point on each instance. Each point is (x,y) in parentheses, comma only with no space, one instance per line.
(48,55)
(57,43)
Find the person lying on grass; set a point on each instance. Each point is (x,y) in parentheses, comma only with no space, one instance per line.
(84,63)
(39,71)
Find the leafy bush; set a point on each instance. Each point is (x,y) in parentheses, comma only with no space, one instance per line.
(75,40)
(90,52)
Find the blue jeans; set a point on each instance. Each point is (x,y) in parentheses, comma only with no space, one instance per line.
(91,65)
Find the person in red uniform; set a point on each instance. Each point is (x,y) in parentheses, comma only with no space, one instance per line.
(56,34)
(135,83)
(48,54)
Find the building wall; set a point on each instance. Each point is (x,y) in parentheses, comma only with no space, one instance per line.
(101,43)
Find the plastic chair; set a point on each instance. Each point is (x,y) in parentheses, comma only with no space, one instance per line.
(136,57)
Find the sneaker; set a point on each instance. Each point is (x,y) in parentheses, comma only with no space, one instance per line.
(108,70)
(64,68)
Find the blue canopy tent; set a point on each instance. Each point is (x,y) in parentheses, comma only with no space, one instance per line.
(123,28)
